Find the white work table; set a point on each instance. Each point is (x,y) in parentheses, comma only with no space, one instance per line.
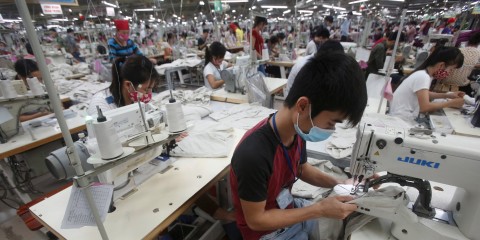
(273,86)
(150,210)
(460,123)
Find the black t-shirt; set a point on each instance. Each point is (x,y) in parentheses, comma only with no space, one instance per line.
(256,158)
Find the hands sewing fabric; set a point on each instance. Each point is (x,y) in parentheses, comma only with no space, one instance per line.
(351,181)
(457,94)
(181,137)
(335,207)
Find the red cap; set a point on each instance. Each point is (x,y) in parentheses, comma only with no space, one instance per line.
(121,24)
(451,20)
(233,26)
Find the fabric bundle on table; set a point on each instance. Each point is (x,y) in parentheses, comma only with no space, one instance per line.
(340,144)
(243,116)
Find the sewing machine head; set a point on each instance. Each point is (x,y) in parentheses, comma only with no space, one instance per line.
(417,154)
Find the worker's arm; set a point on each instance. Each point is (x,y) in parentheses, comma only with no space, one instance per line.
(259,55)
(423,97)
(26,117)
(259,219)
(316,177)
(451,95)
(213,82)
(379,57)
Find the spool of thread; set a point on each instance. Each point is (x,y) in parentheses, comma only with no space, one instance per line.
(387,61)
(108,141)
(7,89)
(175,118)
(35,86)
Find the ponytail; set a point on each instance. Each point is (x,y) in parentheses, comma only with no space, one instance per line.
(116,86)
(208,55)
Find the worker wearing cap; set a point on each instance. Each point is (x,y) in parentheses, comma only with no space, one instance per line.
(121,45)
(448,29)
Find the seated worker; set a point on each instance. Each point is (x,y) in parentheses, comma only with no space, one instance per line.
(273,52)
(413,96)
(121,45)
(328,46)
(379,53)
(168,52)
(132,80)
(271,156)
(4,48)
(202,41)
(214,64)
(27,68)
(237,32)
(320,35)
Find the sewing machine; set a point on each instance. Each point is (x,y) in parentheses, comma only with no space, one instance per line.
(412,157)
(235,76)
(16,107)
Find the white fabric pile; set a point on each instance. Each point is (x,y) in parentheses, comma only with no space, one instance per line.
(60,71)
(81,68)
(198,97)
(205,139)
(8,73)
(305,190)
(340,144)
(242,116)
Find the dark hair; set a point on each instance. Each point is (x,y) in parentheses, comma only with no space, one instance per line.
(236,24)
(216,49)
(330,46)
(259,20)
(281,36)
(24,67)
(332,82)
(350,13)
(393,36)
(413,23)
(101,49)
(205,31)
(273,40)
(52,30)
(170,36)
(329,19)
(136,69)
(449,55)
(321,31)
(69,30)
(474,39)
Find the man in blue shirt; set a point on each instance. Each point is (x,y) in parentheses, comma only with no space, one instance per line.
(345,28)
(121,45)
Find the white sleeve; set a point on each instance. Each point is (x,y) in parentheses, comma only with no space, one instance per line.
(207,71)
(420,81)
(224,65)
(98,100)
(311,48)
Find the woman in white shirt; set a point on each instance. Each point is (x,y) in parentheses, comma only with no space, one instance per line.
(413,96)
(214,64)
(132,80)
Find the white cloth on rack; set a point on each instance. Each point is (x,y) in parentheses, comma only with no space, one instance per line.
(199,96)
(205,139)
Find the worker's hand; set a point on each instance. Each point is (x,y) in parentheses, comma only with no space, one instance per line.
(389,51)
(335,207)
(351,181)
(458,94)
(456,103)
(181,137)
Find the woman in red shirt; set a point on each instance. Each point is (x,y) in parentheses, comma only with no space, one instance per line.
(258,25)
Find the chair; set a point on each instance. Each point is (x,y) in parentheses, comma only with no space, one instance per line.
(406,51)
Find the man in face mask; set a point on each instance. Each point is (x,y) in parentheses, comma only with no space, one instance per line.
(329,89)
(121,45)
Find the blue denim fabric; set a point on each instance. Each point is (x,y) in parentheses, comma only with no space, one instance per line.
(299,231)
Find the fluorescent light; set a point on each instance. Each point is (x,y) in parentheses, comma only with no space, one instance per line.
(254,7)
(265,6)
(358,1)
(305,11)
(202,3)
(234,1)
(234,10)
(308,1)
(270,9)
(41,14)
(397,0)
(109,4)
(143,10)
(330,6)
(287,11)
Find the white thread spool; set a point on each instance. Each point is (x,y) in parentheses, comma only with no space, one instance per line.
(7,89)
(108,142)
(35,86)
(175,118)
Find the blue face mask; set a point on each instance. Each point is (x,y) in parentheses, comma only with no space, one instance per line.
(315,134)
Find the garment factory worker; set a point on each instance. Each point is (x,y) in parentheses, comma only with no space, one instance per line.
(202,41)
(71,45)
(328,46)
(413,96)
(320,35)
(132,80)
(328,21)
(272,155)
(171,39)
(59,43)
(214,65)
(121,45)
(237,31)
(379,53)
(258,25)
(471,54)
(345,27)
(27,68)
(449,26)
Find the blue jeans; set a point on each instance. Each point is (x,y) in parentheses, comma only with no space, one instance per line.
(76,55)
(299,231)
(261,68)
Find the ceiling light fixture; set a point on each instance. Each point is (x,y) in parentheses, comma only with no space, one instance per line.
(234,1)
(144,10)
(265,6)
(109,4)
(305,11)
(359,1)
(333,7)
(202,3)
(308,1)
(287,11)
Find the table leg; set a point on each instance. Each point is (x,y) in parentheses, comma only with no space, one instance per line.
(282,72)
(5,169)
